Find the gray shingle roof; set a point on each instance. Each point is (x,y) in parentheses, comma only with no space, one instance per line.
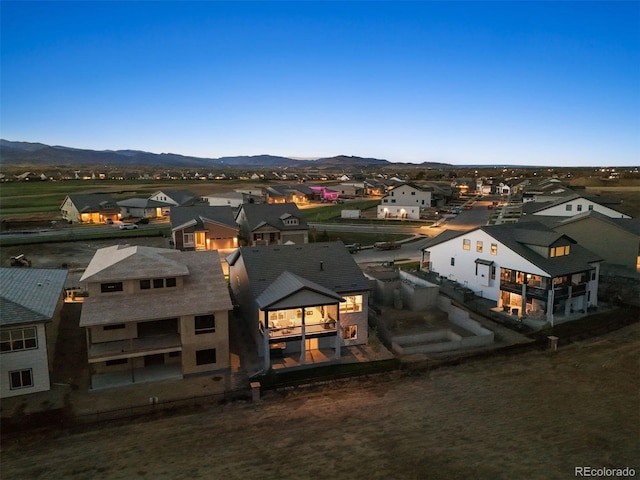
(289,284)
(93,202)
(631,225)
(126,262)
(204,291)
(259,214)
(29,294)
(198,214)
(328,264)
(181,197)
(141,203)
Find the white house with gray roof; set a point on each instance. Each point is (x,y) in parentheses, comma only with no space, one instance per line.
(526,268)
(297,298)
(89,208)
(154,313)
(272,223)
(570,205)
(30,304)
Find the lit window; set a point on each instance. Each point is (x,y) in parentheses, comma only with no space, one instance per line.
(205,324)
(18,339)
(559,251)
(352,304)
(479,246)
(466,244)
(21,379)
(351,332)
(494,249)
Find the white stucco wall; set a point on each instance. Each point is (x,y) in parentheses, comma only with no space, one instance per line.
(580,205)
(464,269)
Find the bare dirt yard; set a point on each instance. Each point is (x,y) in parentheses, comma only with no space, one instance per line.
(528,416)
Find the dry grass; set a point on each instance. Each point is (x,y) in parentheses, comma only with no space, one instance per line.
(535,415)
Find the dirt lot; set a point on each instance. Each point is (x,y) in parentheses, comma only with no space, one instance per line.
(536,415)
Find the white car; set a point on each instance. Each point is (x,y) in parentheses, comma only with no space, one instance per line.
(128,226)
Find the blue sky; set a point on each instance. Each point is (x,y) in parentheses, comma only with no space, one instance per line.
(536,83)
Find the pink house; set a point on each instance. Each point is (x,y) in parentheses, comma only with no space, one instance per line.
(326,194)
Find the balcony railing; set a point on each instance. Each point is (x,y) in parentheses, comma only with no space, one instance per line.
(126,348)
(293,330)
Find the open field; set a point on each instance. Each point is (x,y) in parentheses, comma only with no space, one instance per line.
(535,416)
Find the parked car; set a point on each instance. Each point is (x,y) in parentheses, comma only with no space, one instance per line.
(142,221)
(386,245)
(108,221)
(128,226)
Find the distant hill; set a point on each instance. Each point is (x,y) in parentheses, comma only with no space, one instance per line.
(39,154)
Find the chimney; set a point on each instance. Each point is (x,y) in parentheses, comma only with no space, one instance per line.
(321,266)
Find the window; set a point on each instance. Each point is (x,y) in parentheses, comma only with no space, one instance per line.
(494,249)
(205,324)
(119,361)
(111,287)
(158,283)
(21,379)
(353,303)
(188,239)
(466,244)
(350,332)
(206,357)
(579,208)
(170,282)
(117,326)
(453,262)
(145,284)
(479,246)
(413,193)
(18,339)
(559,251)
(590,207)
(569,207)
(493,272)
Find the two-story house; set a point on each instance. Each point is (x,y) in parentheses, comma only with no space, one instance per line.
(297,298)
(202,227)
(268,224)
(526,268)
(30,303)
(154,313)
(89,208)
(405,201)
(568,206)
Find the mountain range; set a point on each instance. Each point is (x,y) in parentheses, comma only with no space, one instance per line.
(27,153)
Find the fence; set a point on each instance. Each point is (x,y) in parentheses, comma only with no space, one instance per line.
(65,418)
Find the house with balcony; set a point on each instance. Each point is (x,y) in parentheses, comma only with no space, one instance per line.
(528,269)
(89,208)
(154,313)
(30,303)
(299,298)
(405,201)
(271,223)
(202,227)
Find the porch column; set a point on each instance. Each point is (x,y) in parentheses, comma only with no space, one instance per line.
(338,339)
(523,309)
(265,342)
(303,344)
(567,306)
(550,300)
